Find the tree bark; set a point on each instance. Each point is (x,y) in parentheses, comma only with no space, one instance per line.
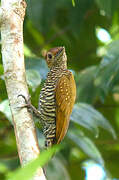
(12,14)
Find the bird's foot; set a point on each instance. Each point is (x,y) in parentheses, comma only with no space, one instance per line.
(28,104)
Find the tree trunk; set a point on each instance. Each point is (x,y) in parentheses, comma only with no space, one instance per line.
(12,15)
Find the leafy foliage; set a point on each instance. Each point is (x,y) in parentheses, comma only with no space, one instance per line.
(86,145)
(88,117)
(94,124)
(28,171)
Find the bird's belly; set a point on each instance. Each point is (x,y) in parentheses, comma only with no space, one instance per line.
(47,106)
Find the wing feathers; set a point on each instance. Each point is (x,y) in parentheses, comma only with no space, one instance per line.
(65,98)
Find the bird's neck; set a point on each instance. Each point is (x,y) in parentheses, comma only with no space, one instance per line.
(60,66)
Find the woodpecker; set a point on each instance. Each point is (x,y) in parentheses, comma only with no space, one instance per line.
(57,97)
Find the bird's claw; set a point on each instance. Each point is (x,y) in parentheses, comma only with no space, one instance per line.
(27,101)
(30,107)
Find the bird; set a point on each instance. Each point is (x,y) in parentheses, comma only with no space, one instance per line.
(57,97)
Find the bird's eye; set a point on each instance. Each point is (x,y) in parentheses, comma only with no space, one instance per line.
(50,56)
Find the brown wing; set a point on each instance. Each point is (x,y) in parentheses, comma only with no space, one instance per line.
(65,98)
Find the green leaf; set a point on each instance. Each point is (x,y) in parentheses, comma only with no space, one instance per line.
(86,145)
(82,118)
(28,171)
(73,2)
(3,168)
(3,93)
(108,6)
(53,167)
(87,91)
(1,69)
(86,116)
(108,72)
(9,163)
(4,108)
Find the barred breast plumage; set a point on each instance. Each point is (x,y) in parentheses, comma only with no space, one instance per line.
(59,84)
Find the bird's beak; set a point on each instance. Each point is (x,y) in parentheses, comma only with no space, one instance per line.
(60,51)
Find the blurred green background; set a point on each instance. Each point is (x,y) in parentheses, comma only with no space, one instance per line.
(89,30)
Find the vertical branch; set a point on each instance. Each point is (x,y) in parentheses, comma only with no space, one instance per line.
(12,15)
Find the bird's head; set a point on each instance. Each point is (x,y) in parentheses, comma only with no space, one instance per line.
(56,57)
